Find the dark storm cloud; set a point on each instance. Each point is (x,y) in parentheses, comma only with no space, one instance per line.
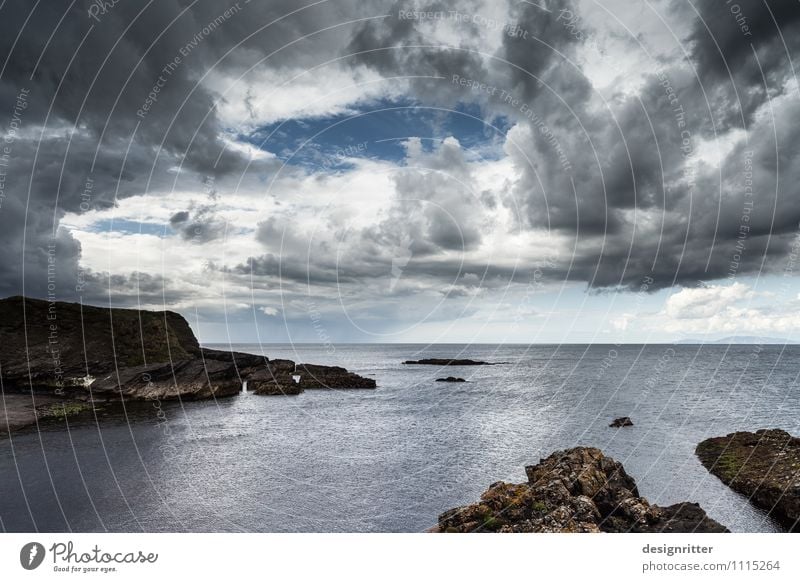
(624,176)
(112,97)
(613,162)
(109,113)
(398,45)
(203,229)
(275,271)
(643,204)
(200,225)
(126,290)
(549,43)
(742,50)
(739,220)
(579,166)
(179,217)
(379,276)
(44,180)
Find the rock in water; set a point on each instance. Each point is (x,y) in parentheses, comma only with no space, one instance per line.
(82,352)
(284,377)
(274,379)
(577,490)
(621,421)
(450,379)
(314,376)
(447,362)
(764,466)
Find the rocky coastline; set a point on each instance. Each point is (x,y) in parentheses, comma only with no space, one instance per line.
(763,465)
(579,490)
(72,353)
(59,360)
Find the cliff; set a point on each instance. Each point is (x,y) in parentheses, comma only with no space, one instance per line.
(87,352)
(58,341)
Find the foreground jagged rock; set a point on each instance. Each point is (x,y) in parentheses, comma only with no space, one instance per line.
(82,352)
(577,490)
(763,465)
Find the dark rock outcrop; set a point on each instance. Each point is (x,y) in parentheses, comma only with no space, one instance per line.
(272,388)
(274,379)
(46,345)
(447,362)
(450,379)
(314,376)
(84,352)
(284,377)
(621,421)
(763,465)
(577,490)
(193,379)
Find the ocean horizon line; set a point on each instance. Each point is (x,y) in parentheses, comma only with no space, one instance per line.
(657,343)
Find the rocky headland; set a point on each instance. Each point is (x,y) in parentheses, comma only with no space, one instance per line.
(763,465)
(79,353)
(577,490)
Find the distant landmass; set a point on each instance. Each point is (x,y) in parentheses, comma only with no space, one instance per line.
(738,339)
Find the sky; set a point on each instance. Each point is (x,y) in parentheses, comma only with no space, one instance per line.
(332,171)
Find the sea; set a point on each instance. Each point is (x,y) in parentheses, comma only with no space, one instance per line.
(392,459)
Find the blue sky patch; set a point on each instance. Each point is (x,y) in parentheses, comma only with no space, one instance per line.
(125,226)
(378,132)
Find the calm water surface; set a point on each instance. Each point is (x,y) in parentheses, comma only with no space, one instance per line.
(392,459)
